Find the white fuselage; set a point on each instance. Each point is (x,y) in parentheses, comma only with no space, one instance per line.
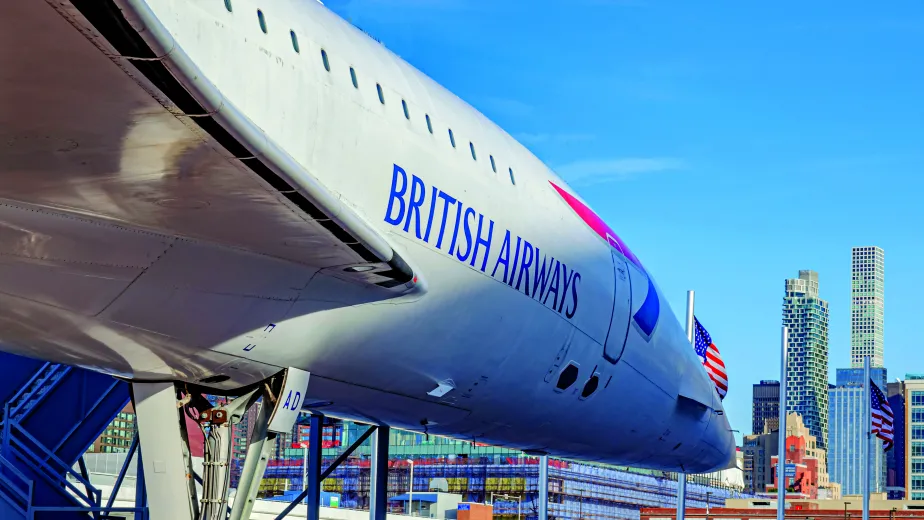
(512,283)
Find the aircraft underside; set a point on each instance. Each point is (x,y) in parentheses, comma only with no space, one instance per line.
(143,237)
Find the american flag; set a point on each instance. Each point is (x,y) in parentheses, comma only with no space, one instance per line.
(882,416)
(712,361)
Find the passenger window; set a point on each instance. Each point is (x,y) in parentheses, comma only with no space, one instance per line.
(324,59)
(429,125)
(404,106)
(353,77)
(381,95)
(262,21)
(472,148)
(493,166)
(452,138)
(294,41)
(512,180)
(228,5)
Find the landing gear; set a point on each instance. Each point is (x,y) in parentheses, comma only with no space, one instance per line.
(168,464)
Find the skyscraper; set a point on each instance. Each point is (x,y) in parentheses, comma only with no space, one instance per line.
(806,317)
(866,305)
(846,433)
(765,406)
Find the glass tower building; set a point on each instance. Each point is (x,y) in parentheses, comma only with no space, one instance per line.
(866,305)
(765,407)
(806,317)
(846,433)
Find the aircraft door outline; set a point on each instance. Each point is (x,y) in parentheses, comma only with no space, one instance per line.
(621,314)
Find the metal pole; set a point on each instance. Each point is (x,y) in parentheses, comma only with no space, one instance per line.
(781,433)
(682,477)
(378,482)
(304,467)
(543,487)
(314,467)
(410,495)
(867,394)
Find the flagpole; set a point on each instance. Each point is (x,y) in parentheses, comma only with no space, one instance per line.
(781,434)
(682,477)
(868,393)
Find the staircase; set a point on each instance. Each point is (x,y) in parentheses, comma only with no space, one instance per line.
(51,415)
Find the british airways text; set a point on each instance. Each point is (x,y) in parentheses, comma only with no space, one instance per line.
(438,220)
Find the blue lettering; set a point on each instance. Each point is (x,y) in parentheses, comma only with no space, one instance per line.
(288,399)
(417,186)
(447,200)
(503,257)
(486,242)
(568,278)
(574,296)
(550,276)
(296,401)
(553,286)
(516,257)
(541,278)
(455,231)
(524,267)
(396,195)
(426,237)
(468,235)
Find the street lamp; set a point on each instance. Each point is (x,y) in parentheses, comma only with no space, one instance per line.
(845,509)
(410,494)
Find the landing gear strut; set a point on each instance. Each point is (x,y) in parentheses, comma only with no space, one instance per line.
(168,465)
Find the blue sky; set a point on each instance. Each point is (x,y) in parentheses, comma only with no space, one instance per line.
(730,144)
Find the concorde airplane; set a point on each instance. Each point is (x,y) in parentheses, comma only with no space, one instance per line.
(209,192)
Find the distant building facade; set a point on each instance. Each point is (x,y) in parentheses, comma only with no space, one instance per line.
(867,304)
(807,461)
(895,458)
(117,437)
(805,314)
(914,436)
(846,432)
(758,451)
(765,406)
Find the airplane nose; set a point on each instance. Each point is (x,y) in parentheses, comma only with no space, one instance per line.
(720,440)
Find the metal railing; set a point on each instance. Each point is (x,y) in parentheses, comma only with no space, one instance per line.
(20,444)
(44,376)
(17,444)
(17,491)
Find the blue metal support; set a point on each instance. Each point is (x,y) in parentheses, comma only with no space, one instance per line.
(330,469)
(82,464)
(378,503)
(45,444)
(5,447)
(123,471)
(314,467)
